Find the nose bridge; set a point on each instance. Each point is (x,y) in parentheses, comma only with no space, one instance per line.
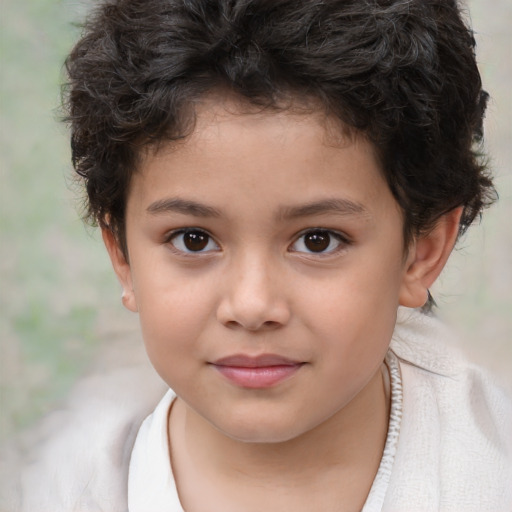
(252,295)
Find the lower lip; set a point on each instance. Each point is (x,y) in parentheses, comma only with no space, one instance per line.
(258,378)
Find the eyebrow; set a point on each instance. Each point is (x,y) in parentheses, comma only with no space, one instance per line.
(183,206)
(343,207)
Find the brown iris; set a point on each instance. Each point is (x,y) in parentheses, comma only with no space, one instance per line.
(195,240)
(317,241)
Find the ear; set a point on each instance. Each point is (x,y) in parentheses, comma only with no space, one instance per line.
(121,268)
(426,258)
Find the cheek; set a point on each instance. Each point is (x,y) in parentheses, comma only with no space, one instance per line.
(173,312)
(354,314)
(360,293)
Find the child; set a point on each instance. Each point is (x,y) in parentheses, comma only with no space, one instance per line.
(278,184)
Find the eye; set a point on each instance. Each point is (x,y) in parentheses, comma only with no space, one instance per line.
(319,241)
(192,240)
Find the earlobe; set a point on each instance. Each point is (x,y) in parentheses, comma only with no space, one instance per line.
(427,257)
(121,268)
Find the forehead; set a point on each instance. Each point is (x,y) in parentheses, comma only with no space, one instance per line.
(295,155)
(219,110)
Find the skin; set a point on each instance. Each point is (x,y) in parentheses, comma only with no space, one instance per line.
(254,183)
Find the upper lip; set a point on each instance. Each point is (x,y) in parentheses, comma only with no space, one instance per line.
(261,361)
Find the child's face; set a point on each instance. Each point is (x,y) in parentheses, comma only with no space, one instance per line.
(261,234)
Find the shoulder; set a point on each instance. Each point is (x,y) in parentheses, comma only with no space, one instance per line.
(455,446)
(80,455)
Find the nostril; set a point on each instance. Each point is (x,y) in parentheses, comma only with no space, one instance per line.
(268,325)
(265,326)
(254,308)
(232,324)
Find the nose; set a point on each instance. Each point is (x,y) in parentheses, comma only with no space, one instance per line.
(252,297)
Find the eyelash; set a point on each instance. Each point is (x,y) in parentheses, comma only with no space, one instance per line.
(341,239)
(191,231)
(205,238)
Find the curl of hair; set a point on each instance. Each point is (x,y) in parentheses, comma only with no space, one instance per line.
(400,72)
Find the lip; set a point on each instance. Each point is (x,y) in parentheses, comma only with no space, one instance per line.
(258,372)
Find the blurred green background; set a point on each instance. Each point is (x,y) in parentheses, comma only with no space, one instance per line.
(61,314)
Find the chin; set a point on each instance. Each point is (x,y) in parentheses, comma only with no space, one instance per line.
(260,432)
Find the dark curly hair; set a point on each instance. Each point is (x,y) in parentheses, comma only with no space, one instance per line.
(400,72)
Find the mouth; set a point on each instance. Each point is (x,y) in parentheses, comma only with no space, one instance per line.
(258,372)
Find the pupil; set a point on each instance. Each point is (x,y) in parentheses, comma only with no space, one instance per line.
(195,240)
(318,241)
